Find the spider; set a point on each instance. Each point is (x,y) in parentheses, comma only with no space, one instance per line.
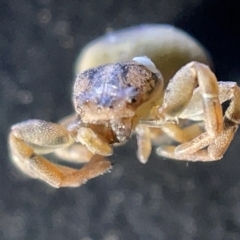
(115,100)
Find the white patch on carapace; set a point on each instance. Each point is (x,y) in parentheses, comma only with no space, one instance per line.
(145,61)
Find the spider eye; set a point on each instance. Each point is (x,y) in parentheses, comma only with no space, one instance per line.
(145,61)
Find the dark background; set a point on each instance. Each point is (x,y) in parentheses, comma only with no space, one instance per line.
(164,199)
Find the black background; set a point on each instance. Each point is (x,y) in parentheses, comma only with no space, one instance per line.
(160,200)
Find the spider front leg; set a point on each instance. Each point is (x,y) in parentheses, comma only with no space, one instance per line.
(178,96)
(179,93)
(29,139)
(216,147)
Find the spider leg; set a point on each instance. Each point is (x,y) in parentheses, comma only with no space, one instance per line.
(217,146)
(29,139)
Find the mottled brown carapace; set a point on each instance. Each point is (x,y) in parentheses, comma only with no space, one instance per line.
(114,91)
